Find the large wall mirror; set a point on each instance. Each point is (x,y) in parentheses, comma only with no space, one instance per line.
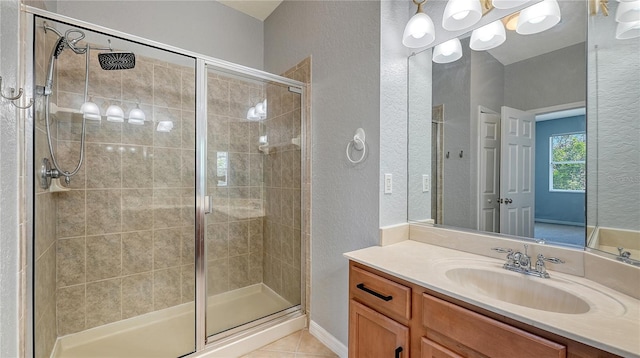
(511,140)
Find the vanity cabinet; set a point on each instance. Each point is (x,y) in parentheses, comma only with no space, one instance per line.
(389,317)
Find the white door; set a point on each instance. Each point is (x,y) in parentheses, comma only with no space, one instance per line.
(489,172)
(517,172)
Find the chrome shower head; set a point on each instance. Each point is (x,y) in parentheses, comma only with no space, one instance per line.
(57,50)
(117,60)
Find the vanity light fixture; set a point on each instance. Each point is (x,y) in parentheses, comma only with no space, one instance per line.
(461,14)
(136,116)
(419,31)
(164,126)
(446,52)
(90,111)
(627,30)
(628,11)
(115,114)
(258,112)
(538,17)
(488,36)
(507,4)
(511,22)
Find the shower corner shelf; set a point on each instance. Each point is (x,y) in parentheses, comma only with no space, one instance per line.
(266,147)
(55,109)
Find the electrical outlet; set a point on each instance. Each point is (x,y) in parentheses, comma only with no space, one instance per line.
(426,183)
(388,184)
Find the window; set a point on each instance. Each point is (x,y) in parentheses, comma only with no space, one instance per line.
(222,166)
(567,155)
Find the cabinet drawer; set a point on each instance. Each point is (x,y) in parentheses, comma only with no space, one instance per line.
(379,293)
(483,334)
(431,349)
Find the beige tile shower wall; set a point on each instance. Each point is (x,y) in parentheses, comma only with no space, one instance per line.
(283,235)
(44,245)
(125,230)
(235,227)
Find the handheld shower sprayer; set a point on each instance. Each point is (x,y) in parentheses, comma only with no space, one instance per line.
(108,61)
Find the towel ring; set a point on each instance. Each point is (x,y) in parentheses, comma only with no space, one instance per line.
(357,143)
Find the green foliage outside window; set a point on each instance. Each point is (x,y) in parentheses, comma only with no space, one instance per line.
(568,154)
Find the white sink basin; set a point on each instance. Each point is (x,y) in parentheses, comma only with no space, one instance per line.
(518,289)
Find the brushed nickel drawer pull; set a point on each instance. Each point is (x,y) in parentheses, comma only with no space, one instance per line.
(372,292)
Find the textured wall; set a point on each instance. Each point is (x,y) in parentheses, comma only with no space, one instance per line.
(206,27)
(342,37)
(618,134)
(556,206)
(10,265)
(419,134)
(393,111)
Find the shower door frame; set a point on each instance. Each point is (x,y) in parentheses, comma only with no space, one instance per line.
(202,342)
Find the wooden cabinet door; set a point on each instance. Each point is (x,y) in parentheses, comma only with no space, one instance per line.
(374,335)
(431,349)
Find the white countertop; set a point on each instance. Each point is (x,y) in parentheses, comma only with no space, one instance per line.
(612,324)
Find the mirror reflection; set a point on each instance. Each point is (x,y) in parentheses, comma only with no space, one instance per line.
(507,138)
(613,158)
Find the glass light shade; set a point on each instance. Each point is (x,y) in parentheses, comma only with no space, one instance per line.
(136,116)
(447,51)
(252,115)
(539,17)
(419,31)
(507,4)
(488,36)
(261,110)
(115,114)
(164,126)
(90,111)
(628,11)
(628,30)
(461,14)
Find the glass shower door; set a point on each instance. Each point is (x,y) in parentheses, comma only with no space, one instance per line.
(113,246)
(253,234)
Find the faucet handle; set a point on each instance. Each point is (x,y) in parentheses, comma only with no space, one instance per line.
(502,250)
(624,254)
(553,260)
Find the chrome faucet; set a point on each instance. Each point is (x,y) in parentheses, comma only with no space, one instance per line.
(521,262)
(625,256)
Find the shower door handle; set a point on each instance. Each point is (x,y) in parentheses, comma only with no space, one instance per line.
(208,204)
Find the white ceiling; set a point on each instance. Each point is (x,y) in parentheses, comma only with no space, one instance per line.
(260,9)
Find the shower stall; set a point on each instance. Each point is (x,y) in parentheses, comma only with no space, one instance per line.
(168,196)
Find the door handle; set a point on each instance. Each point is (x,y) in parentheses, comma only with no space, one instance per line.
(508,201)
(208,204)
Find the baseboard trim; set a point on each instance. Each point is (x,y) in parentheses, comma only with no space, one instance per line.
(328,340)
(559,222)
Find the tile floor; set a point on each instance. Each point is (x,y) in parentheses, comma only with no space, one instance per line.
(297,345)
